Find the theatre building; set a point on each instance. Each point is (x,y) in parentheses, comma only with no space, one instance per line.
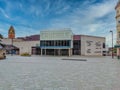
(56,42)
(64,42)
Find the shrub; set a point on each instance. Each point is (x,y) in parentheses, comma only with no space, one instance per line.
(25,54)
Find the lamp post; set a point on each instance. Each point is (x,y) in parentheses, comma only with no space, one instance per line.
(11,46)
(112,43)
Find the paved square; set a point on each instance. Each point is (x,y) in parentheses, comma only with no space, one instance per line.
(53,73)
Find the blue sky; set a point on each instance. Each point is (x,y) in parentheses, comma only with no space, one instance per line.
(89,17)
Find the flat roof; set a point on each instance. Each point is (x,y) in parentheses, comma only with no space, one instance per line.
(92,36)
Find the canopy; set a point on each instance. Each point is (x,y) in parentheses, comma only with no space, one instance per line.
(117,46)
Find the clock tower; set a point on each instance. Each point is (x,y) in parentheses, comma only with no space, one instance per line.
(117,8)
(11,33)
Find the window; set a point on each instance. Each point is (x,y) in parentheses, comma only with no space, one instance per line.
(52,43)
(103,45)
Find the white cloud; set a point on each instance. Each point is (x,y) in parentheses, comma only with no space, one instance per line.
(100,10)
(86,18)
(94,27)
(96,19)
(4,13)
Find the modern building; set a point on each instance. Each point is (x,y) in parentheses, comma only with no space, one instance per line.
(64,42)
(56,42)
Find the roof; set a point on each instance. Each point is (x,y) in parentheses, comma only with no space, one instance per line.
(92,36)
(117,46)
(30,38)
(8,47)
(37,37)
(76,37)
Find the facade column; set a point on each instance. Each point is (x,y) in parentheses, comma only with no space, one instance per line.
(41,51)
(69,52)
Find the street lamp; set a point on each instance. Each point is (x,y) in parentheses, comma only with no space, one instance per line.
(12,46)
(112,43)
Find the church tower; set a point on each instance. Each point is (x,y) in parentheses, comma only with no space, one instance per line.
(117,8)
(11,33)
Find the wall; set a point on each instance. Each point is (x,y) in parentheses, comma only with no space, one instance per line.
(7,41)
(56,35)
(83,46)
(91,45)
(25,46)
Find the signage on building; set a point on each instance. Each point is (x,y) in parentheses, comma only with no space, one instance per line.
(93,47)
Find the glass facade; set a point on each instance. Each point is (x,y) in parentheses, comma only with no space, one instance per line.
(76,47)
(55,43)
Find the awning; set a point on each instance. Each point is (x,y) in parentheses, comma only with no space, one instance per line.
(117,46)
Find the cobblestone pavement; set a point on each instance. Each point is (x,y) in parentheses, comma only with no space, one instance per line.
(53,73)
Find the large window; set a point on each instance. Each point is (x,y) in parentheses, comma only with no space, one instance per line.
(55,43)
(76,47)
(76,44)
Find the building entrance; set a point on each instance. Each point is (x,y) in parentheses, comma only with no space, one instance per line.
(55,52)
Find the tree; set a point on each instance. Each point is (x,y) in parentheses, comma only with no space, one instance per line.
(1,36)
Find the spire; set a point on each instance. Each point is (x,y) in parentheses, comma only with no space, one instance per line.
(11,32)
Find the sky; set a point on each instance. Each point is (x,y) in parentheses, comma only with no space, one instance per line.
(88,17)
